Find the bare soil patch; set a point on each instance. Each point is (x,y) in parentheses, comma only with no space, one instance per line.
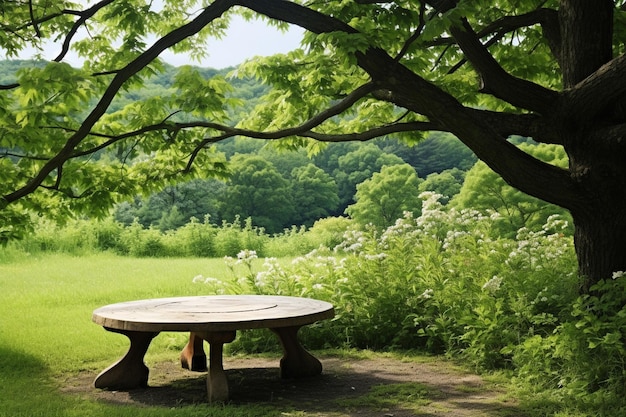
(344,389)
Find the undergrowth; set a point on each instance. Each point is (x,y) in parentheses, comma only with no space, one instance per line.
(445,283)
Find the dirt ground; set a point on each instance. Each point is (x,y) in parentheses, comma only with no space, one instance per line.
(342,390)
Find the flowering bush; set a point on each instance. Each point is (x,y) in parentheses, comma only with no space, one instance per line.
(441,282)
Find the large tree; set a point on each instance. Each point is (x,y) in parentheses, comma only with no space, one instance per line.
(481,70)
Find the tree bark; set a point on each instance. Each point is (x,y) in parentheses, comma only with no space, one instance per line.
(600,243)
(586,34)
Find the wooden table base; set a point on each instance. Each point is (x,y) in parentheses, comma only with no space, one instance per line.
(296,362)
(131,372)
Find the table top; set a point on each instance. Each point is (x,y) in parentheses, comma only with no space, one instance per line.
(212,313)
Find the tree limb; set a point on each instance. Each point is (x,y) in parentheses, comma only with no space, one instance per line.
(547,18)
(516,167)
(391,82)
(32,19)
(9,86)
(416,33)
(583,102)
(496,81)
(322,137)
(84,16)
(526,125)
(406,89)
(209,14)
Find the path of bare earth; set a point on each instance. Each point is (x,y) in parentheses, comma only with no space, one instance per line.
(342,389)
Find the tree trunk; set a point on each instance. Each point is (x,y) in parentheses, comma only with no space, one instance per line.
(598,171)
(600,243)
(586,33)
(600,211)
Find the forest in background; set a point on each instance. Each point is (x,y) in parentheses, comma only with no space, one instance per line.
(278,189)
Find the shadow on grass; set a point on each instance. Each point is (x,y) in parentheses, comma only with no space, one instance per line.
(26,386)
(367,388)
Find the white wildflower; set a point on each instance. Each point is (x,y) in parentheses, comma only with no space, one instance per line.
(427,294)
(376,257)
(261,279)
(618,274)
(493,284)
(354,247)
(229,261)
(246,255)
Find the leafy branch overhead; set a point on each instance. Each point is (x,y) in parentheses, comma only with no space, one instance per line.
(481,70)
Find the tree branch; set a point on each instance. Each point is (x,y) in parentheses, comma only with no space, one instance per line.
(496,81)
(217,8)
(322,137)
(32,19)
(583,102)
(9,86)
(516,167)
(526,125)
(296,14)
(391,82)
(406,89)
(84,16)
(547,18)
(416,33)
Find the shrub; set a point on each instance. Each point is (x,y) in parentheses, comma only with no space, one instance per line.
(232,238)
(75,237)
(293,242)
(108,234)
(439,282)
(194,239)
(140,242)
(583,360)
(328,232)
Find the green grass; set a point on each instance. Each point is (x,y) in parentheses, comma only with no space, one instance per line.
(408,395)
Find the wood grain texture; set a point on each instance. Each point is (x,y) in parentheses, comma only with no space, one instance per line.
(212,313)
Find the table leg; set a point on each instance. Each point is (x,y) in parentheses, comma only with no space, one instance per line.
(217,382)
(193,357)
(130,371)
(296,361)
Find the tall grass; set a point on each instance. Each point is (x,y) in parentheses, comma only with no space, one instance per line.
(195,239)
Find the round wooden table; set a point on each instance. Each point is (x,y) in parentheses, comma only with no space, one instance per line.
(216,320)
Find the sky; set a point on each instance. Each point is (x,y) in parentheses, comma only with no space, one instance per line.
(231,50)
(234,48)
